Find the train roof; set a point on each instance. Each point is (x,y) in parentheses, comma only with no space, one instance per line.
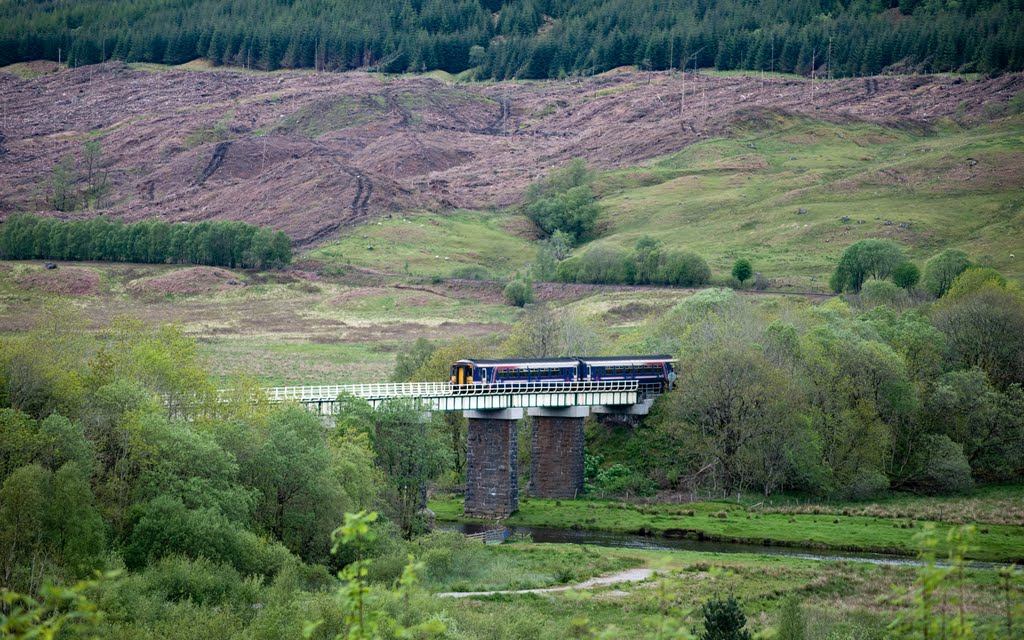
(535,362)
(627,359)
(566,362)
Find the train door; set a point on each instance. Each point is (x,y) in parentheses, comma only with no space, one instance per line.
(462,374)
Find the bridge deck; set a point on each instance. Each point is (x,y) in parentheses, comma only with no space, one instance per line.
(444,396)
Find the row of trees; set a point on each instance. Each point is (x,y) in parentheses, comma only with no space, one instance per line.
(880,260)
(220,243)
(647,263)
(528,38)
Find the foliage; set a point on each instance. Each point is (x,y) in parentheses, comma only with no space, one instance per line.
(742,270)
(58,609)
(942,269)
(502,40)
(362,616)
(543,332)
(865,259)
(221,243)
(564,202)
(411,450)
(907,275)
(518,293)
(724,620)
(407,363)
(985,329)
(879,292)
(648,263)
(791,622)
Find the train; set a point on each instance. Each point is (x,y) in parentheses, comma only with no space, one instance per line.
(654,373)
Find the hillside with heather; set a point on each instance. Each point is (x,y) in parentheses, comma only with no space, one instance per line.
(698,160)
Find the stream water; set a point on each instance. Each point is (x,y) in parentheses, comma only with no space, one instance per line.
(633,541)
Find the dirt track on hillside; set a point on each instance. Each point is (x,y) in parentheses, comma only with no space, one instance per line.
(311,154)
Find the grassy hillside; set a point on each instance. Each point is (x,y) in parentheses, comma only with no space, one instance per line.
(741,195)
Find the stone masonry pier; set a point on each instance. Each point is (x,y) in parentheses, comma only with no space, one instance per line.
(492,463)
(556,452)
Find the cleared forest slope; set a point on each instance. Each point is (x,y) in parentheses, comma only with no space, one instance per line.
(314,154)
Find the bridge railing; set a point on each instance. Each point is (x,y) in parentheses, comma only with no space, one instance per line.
(439,389)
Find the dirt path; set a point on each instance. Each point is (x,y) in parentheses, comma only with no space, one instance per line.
(630,575)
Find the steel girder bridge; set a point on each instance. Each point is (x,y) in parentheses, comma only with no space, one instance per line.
(444,396)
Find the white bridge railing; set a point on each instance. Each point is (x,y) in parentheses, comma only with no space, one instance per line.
(387,391)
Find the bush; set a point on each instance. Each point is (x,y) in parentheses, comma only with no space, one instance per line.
(564,201)
(724,620)
(906,275)
(791,620)
(942,269)
(940,466)
(865,259)
(866,483)
(620,480)
(882,292)
(519,293)
(202,581)
(684,269)
(602,265)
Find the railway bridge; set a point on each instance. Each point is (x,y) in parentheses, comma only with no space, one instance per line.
(557,410)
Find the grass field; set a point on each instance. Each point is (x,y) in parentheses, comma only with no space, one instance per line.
(855,527)
(741,194)
(838,599)
(458,244)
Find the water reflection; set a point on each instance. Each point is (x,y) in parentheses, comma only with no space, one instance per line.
(633,541)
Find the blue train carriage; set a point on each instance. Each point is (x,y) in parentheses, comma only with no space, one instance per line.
(515,370)
(655,373)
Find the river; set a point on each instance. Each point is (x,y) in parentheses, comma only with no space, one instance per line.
(634,541)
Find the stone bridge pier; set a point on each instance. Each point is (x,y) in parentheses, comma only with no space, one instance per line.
(556,452)
(492,463)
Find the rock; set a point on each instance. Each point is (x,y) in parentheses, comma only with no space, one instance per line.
(904,225)
(888,223)
(233,282)
(801,211)
(792,157)
(845,219)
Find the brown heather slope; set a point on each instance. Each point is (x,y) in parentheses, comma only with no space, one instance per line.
(314,153)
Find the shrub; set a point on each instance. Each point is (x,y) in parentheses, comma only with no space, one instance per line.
(563,201)
(942,269)
(684,269)
(202,581)
(791,620)
(906,275)
(879,292)
(724,620)
(940,466)
(865,259)
(519,293)
(603,264)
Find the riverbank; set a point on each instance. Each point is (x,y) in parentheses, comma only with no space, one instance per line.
(834,529)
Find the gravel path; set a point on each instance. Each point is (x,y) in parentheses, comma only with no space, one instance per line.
(630,575)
